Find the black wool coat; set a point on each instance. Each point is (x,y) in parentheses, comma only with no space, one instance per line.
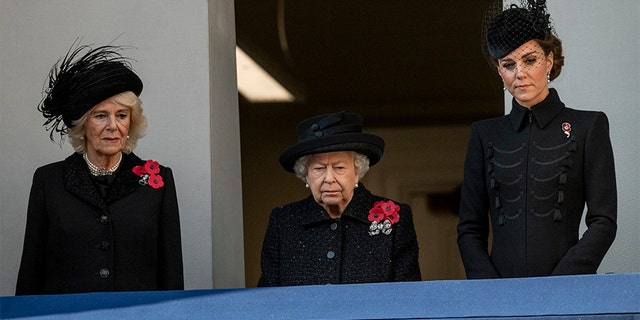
(77,241)
(534,171)
(304,246)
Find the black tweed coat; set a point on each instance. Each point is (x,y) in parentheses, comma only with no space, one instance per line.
(534,171)
(76,241)
(304,246)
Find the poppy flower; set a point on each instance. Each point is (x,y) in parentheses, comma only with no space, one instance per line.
(389,207)
(383,215)
(139,170)
(152,167)
(376,214)
(394,217)
(149,173)
(155,181)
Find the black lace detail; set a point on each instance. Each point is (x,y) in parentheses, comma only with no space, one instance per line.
(547,179)
(506,197)
(508,166)
(493,182)
(554,161)
(508,151)
(510,183)
(545,214)
(549,196)
(535,144)
(516,199)
(562,179)
(503,217)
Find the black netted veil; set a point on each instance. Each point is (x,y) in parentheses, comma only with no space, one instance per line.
(509,24)
(83,78)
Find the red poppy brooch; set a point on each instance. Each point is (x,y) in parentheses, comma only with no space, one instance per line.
(149,174)
(566,128)
(383,216)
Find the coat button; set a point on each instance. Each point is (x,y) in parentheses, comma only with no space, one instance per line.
(104,273)
(331,254)
(104,219)
(334,226)
(104,245)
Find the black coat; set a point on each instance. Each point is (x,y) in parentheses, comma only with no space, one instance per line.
(534,174)
(76,241)
(304,246)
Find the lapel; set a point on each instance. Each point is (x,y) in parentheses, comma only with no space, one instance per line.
(360,205)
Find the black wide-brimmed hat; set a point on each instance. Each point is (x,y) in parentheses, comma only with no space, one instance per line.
(77,84)
(506,30)
(340,131)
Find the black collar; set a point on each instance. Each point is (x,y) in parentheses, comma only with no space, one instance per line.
(542,112)
(356,209)
(79,182)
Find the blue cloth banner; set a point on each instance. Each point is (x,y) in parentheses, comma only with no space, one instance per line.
(566,297)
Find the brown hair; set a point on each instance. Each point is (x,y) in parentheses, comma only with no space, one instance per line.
(553,44)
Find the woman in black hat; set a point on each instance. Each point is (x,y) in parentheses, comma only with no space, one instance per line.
(102,219)
(529,174)
(341,233)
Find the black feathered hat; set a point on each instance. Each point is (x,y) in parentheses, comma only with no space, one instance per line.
(78,83)
(340,131)
(506,30)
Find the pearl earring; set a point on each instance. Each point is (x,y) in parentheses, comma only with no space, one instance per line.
(356,184)
(306,185)
(548,76)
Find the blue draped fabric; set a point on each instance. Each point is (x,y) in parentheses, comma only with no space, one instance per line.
(566,297)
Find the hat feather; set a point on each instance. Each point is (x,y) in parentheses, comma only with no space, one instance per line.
(78,79)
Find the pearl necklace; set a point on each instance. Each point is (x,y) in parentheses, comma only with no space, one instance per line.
(97,171)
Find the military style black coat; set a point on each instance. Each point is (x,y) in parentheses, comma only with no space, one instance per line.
(77,241)
(304,246)
(534,171)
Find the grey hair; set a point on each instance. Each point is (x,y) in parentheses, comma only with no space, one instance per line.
(137,126)
(360,161)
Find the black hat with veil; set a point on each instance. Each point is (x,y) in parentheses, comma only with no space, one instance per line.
(509,24)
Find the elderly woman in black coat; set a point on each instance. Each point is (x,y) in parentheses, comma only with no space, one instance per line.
(528,175)
(102,219)
(341,233)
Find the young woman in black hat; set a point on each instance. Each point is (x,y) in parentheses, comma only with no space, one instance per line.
(528,175)
(341,233)
(102,219)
